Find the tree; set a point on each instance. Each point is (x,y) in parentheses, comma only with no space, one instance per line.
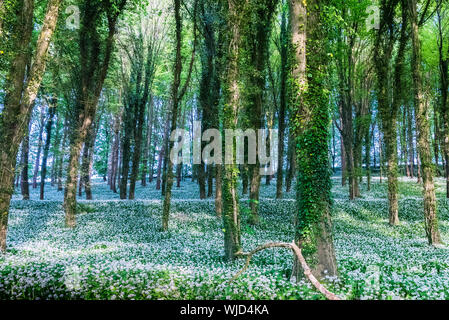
(231,101)
(422,125)
(256,28)
(385,40)
(20,96)
(92,75)
(443,61)
(310,122)
(284,52)
(176,97)
(48,129)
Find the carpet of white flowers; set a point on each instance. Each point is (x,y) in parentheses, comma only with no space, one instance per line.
(117,250)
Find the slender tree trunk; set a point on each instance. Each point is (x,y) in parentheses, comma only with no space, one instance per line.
(39,149)
(411,150)
(343,163)
(54,165)
(24,185)
(146,151)
(161,155)
(368,159)
(86,165)
(115,153)
(291,162)
(61,156)
(126,150)
(48,130)
(218,190)
(444,105)
(176,99)
(284,40)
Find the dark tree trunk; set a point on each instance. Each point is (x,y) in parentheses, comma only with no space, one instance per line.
(24,184)
(48,130)
(200,169)
(93,73)
(291,161)
(39,149)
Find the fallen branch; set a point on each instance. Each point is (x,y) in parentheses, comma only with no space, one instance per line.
(297,252)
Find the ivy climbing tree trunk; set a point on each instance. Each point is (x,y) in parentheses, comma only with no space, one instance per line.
(231,98)
(310,122)
(388,111)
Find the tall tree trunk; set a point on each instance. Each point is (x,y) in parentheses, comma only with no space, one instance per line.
(115,153)
(255,44)
(147,143)
(137,150)
(162,152)
(126,149)
(39,149)
(368,159)
(93,73)
(231,98)
(411,149)
(444,85)
(422,125)
(313,221)
(24,185)
(344,169)
(177,95)
(389,110)
(20,97)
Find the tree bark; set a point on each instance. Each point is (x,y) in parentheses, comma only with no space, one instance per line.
(385,41)
(177,95)
(310,123)
(20,97)
(93,74)
(231,98)
(24,185)
(39,149)
(48,130)
(422,125)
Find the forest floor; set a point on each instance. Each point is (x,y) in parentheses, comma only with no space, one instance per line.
(117,250)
